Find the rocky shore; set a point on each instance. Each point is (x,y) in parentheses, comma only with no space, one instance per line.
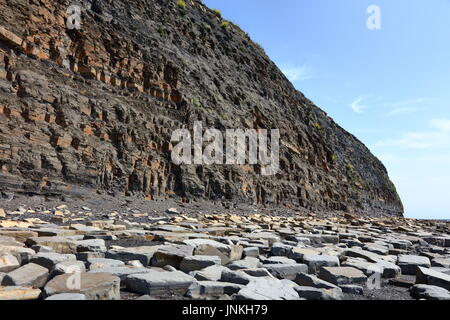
(75,252)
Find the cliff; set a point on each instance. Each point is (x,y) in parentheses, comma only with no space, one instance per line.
(93,109)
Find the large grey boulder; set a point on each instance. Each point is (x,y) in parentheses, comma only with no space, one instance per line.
(212,288)
(95,286)
(207,247)
(342,275)
(121,272)
(314,262)
(8,263)
(266,289)
(432,277)
(194,263)
(286,271)
(424,291)
(246,263)
(50,259)
(29,275)
(68,266)
(155,283)
(410,263)
(171,255)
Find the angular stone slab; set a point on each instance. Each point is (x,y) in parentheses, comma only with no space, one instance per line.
(8,263)
(194,263)
(155,283)
(342,275)
(432,277)
(267,289)
(19,293)
(121,272)
(67,297)
(424,291)
(286,271)
(29,275)
(314,262)
(207,247)
(410,263)
(95,286)
(50,259)
(171,255)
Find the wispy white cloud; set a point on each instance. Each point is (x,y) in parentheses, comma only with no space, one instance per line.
(406,106)
(440,124)
(438,137)
(301,73)
(403,111)
(357,107)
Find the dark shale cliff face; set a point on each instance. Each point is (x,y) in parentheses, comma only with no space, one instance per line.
(94,110)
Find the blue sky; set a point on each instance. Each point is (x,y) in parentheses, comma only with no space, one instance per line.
(390,87)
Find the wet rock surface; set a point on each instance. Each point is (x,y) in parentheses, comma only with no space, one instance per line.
(211,255)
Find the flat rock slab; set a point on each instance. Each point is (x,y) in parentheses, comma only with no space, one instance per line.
(314,262)
(441,262)
(19,293)
(212,288)
(267,289)
(155,283)
(50,259)
(312,293)
(58,244)
(68,266)
(67,297)
(207,247)
(8,263)
(286,271)
(432,277)
(97,263)
(95,286)
(29,275)
(194,263)
(246,263)
(171,255)
(121,272)
(144,254)
(342,275)
(212,273)
(424,291)
(92,245)
(410,263)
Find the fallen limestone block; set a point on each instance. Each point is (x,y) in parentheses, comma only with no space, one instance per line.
(280,249)
(171,255)
(50,259)
(194,263)
(410,263)
(68,266)
(424,291)
(207,247)
(342,275)
(314,262)
(246,263)
(286,271)
(95,286)
(97,263)
(277,260)
(121,272)
(8,263)
(93,245)
(67,297)
(441,262)
(297,253)
(432,277)
(251,252)
(266,289)
(143,254)
(29,275)
(19,293)
(312,293)
(212,288)
(211,273)
(155,283)
(352,289)
(368,268)
(59,244)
